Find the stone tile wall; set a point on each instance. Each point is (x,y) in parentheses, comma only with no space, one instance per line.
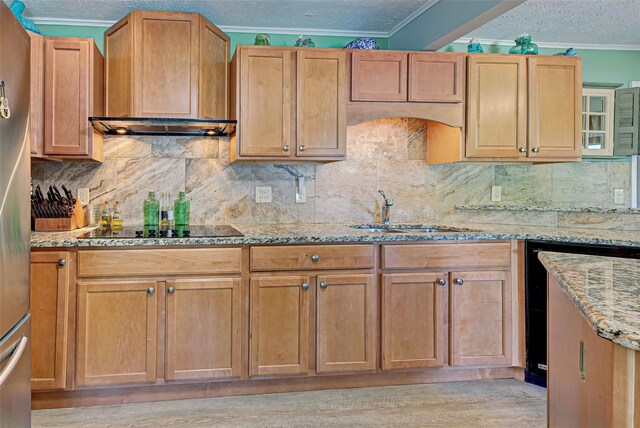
(386,154)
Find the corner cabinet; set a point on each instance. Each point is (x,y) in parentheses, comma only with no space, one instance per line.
(166,64)
(73,91)
(290,104)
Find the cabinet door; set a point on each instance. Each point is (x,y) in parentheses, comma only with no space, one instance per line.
(117,325)
(378,76)
(496,106)
(480,318)
(555,107)
(413,320)
(36,114)
(165,75)
(346,323)
(279,339)
(265,122)
(49,318)
(321,103)
(436,77)
(67,97)
(214,72)
(204,318)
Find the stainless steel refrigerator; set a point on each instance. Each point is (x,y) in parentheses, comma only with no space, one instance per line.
(15,364)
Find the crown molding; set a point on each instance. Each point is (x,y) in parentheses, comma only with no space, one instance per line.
(555,45)
(411,17)
(72,22)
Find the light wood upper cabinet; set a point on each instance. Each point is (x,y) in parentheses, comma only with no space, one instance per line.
(480,318)
(36,113)
(291,104)
(413,313)
(204,320)
(321,103)
(50,278)
(73,91)
(266,118)
(117,332)
(496,106)
(378,76)
(346,329)
(436,77)
(555,110)
(166,64)
(279,325)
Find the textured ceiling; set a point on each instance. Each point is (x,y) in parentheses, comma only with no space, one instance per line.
(365,16)
(601,22)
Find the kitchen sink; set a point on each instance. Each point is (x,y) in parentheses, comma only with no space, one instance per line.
(378,229)
(409,228)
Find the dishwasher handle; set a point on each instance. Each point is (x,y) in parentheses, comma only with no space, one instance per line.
(13,360)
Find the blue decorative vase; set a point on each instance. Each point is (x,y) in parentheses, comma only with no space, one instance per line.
(524,46)
(17,7)
(474,46)
(363,43)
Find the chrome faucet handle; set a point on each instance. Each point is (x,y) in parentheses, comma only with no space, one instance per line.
(387,201)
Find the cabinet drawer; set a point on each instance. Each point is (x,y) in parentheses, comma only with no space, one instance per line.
(302,257)
(159,262)
(450,255)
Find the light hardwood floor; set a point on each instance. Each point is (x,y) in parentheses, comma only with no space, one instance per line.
(488,403)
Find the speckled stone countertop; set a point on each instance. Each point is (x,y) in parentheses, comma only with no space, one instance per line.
(513,207)
(327,233)
(606,290)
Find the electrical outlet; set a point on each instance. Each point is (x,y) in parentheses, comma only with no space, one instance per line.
(83,195)
(618,196)
(496,193)
(263,195)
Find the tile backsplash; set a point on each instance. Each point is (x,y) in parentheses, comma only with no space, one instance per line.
(386,154)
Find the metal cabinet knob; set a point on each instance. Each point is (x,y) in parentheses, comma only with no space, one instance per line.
(150,291)
(459,281)
(301,148)
(171,290)
(522,150)
(323,285)
(315,258)
(442,281)
(305,286)
(536,150)
(285,148)
(62,262)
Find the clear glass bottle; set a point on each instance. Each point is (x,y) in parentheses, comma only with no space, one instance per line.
(105,218)
(164,212)
(151,210)
(182,210)
(116,217)
(170,215)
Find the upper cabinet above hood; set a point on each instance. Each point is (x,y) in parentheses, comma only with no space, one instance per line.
(166,65)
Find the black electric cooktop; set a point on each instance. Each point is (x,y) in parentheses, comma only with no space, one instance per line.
(133,232)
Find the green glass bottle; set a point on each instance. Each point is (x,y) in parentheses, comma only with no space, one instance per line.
(151,210)
(181,210)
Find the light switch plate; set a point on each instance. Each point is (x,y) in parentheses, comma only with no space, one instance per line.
(301,191)
(496,193)
(83,195)
(263,195)
(618,196)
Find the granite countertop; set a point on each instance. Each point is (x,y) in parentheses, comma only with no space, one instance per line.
(327,233)
(551,208)
(606,290)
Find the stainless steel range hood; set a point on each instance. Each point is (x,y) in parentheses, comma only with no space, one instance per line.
(163,126)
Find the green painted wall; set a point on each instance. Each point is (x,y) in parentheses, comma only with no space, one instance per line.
(236,38)
(597,65)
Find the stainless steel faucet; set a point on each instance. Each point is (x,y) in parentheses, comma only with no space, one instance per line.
(388,203)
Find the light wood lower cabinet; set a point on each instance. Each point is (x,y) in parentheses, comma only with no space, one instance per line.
(345,323)
(117,332)
(413,313)
(279,325)
(49,319)
(480,318)
(203,322)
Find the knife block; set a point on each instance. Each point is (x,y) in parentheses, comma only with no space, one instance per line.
(76,221)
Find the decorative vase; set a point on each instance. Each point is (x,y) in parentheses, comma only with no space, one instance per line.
(363,43)
(305,42)
(524,46)
(17,7)
(263,40)
(474,46)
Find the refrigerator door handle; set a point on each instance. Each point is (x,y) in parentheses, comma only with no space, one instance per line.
(13,360)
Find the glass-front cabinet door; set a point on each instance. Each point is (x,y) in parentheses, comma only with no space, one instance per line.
(597,122)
